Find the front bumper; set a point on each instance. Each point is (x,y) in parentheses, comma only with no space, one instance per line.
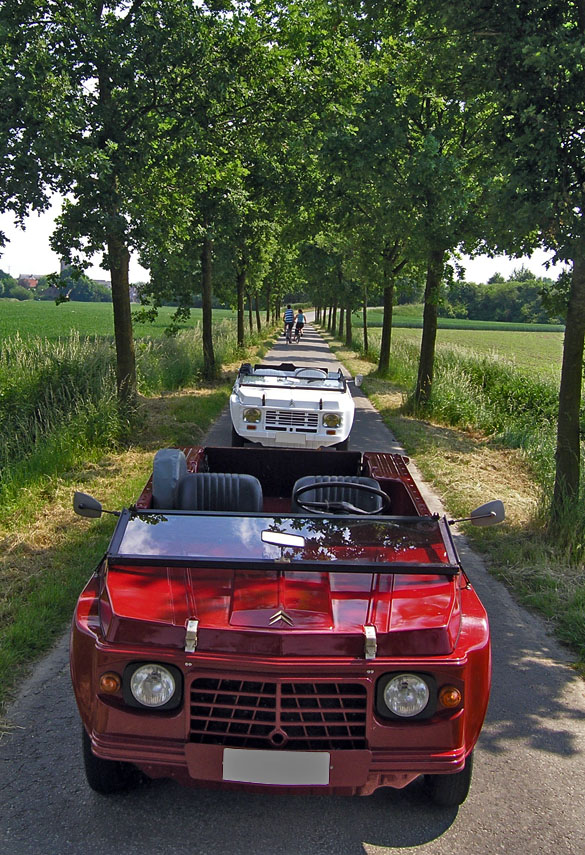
(300,427)
(290,438)
(358,772)
(357,751)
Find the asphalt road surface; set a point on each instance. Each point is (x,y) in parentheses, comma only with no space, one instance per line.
(527,794)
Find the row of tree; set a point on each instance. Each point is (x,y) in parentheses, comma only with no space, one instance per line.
(64,286)
(340,147)
(523,298)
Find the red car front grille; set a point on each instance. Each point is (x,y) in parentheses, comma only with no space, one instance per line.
(295,716)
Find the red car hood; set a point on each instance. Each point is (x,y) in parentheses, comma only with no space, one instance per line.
(282,613)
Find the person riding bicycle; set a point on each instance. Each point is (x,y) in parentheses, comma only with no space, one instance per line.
(300,323)
(289,319)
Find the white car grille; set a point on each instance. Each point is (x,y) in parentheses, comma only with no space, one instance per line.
(296,419)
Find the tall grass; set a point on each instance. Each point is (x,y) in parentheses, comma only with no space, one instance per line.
(58,398)
(171,363)
(55,399)
(486,393)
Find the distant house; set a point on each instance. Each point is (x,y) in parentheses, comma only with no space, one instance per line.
(28,281)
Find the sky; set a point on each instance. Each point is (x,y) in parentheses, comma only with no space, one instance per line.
(29,253)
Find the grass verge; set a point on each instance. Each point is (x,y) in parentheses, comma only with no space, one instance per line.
(47,553)
(468,468)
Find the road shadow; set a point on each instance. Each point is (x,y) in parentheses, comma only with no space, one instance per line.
(536,697)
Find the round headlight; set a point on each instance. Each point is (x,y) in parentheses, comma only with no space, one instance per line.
(152,685)
(331,420)
(252,414)
(406,695)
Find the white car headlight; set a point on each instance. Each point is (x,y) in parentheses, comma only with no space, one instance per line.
(406,695)
(252,414)
(331,420)
(152,685)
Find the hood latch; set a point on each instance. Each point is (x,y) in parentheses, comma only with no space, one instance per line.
(191,636)
(371,643)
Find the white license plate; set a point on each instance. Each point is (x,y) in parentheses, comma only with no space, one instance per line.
(290,438)
(292,768)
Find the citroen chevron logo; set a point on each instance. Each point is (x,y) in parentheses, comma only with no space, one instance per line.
(281,615)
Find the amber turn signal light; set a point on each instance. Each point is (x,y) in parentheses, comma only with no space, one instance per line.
(450,697)
(110,683)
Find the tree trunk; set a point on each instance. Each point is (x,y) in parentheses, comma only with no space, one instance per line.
(119,259)
(330,317)
(334,318)
(206,310)
(341,322)
(388,302)
(348,329)
(365,321)
(424,383)
(257,312)
(250,322)
(568,451)
(240,290)
(268,296)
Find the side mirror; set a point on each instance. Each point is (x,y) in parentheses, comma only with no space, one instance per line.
(358,379)
(488,514)
(86,506)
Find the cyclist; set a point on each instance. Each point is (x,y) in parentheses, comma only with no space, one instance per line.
(289,318)
(300,323)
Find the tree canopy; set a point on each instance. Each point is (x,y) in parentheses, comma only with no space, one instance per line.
(339,149)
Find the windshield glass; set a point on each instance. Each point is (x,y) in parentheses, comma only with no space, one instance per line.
(217,537)
(291,382)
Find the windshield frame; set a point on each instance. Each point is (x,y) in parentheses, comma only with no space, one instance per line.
(451,568)
(272,381)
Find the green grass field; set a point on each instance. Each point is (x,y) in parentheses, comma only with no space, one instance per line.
(45,319)
(411,316)
(538,353)
(533,348)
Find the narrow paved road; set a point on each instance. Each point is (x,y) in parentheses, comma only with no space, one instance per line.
(527,795)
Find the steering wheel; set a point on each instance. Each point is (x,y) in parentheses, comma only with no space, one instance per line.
(299,372)
(340,506)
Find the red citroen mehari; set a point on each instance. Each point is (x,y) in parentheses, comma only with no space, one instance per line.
(281,620)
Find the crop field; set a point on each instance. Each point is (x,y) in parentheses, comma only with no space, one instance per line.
(536,349)
(529,348)
(411,316)
(537,353)
(46,320)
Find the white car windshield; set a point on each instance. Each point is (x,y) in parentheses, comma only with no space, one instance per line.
(292,382)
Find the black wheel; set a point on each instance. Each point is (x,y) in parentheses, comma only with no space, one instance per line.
(107,776)
(342,446)
(326,507)
(450,790)
(237,440)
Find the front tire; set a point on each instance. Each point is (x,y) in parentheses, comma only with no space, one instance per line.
(237,440)
(342,446)
(450,790)
(107,776)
